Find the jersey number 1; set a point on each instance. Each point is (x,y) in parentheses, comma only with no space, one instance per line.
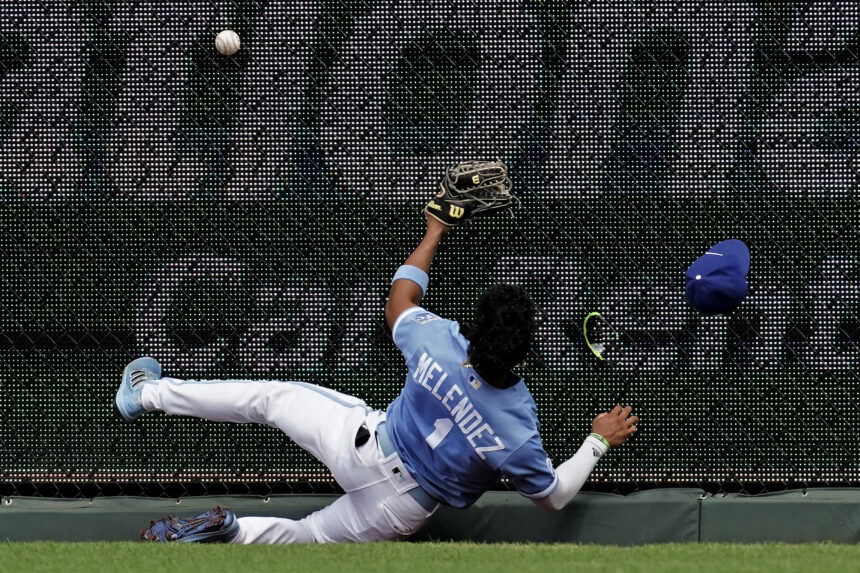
(441,428)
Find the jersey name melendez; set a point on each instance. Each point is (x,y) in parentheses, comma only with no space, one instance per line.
(430,376)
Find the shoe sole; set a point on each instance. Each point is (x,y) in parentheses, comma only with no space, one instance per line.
(144,363)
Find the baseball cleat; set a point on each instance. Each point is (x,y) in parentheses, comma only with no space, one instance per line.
(217,525)
(138,372)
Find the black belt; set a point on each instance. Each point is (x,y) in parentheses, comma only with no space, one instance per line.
(423,498)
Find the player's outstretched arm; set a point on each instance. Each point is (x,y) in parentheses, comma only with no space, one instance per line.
(410,280)
(611,428)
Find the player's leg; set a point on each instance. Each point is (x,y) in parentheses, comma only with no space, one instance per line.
(375,510)
(351,518)
(376,513)
(338,521)
(322,421)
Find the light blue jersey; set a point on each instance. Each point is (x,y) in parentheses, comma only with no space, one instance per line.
(455,433)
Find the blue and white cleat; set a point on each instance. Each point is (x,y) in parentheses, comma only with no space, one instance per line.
(135,375)
(217,525)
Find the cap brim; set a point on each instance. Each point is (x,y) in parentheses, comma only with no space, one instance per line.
(736,249)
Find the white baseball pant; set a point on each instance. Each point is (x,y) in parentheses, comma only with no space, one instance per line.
(324,423)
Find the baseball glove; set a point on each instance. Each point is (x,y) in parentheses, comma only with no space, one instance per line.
(471,189)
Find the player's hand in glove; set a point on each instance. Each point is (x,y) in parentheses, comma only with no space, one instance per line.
(616,425)
(471,189)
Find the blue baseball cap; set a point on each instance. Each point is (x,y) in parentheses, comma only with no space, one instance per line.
(717,281)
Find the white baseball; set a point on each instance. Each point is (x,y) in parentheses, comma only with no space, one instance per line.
(227,42)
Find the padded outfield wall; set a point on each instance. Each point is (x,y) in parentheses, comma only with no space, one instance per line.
(665,515)
(240,218)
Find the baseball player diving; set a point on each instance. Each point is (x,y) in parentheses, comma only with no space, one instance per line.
(463,420)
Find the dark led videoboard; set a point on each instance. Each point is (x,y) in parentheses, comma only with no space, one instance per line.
(239,218)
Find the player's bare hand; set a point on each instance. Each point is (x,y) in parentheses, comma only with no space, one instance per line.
(434,225)
(616,426)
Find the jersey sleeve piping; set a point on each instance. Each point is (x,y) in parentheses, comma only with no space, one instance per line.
(541,494)
(545,493)
(404,314)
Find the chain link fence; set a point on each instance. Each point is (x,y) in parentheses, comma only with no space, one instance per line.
(240,217)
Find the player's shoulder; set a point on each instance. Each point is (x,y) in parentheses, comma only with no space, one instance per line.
(526,423)
(417,320)
(519,404)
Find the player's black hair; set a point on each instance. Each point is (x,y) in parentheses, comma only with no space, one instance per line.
(501,333)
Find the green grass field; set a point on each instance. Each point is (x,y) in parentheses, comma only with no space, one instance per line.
(421,557)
